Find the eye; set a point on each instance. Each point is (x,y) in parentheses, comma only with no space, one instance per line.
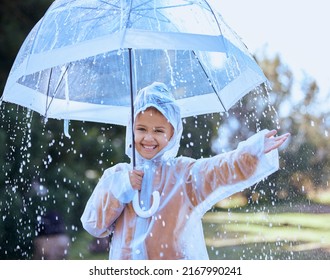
(140,129)
(159,131)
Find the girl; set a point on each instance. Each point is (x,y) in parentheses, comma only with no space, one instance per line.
(163,221)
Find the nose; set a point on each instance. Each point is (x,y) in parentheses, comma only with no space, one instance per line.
(148,137)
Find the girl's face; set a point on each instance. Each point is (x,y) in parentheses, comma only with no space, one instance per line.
(152,132)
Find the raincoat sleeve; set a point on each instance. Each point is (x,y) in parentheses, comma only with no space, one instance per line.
(219,177)
(107,201)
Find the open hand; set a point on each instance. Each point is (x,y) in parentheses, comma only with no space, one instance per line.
(273,142)
(135,177)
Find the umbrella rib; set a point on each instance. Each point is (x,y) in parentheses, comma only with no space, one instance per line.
(55,90)
(218,24)
(47,93)
(208,78)
(137,10)
(162,7)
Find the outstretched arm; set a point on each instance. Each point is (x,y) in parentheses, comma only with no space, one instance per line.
(253,160)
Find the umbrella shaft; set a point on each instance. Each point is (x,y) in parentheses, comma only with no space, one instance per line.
(132,103)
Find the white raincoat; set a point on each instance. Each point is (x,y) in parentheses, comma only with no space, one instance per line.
(188,188)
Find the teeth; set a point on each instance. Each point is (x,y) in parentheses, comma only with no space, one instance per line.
(149,147)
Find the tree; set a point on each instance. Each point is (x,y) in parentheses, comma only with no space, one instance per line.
(45,171)
(304,161)
(16,20)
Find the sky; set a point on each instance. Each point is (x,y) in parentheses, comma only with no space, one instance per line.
(296,30)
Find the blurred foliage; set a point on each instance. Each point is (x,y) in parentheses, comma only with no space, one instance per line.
(304,160)
(16,20)
(42,170)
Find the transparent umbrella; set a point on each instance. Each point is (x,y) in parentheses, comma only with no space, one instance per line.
(86,59)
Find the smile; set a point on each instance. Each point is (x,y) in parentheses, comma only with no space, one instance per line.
(148,147)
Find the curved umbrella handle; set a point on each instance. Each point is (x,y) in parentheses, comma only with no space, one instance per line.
(153,208)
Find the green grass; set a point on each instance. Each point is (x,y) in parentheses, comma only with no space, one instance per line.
(267,236)
(257,235)
(79,249)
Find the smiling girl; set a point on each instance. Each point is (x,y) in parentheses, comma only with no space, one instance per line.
(187,188)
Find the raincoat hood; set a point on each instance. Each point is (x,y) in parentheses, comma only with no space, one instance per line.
(158,96)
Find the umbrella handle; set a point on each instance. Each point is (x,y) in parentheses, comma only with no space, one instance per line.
(146,213)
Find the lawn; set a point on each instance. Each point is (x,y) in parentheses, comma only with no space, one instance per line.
(263,235)
(278,233)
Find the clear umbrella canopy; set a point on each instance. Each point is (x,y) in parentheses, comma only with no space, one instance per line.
(84,59)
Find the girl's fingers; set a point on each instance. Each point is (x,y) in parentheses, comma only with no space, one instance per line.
(136,177)
(136,173)
(271,133)
(272,143)
(139,173)
(285,136)
(281,139)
